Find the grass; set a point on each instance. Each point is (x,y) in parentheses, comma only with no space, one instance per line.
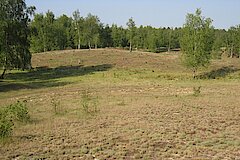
(146,108)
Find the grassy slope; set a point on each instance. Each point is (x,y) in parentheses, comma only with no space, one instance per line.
(146,107)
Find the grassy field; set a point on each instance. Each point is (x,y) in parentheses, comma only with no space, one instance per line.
(139,106)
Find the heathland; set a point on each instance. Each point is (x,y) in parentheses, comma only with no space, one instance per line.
(113,104)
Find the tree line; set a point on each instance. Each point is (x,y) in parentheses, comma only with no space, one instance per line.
(50,33)
(21,35)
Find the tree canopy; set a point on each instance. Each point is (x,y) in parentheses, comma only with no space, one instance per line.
(131,32)
(196,41)
(14,31)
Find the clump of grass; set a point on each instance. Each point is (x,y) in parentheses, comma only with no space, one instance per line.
(115,75)
(196,91)
(9,115)
(57,108)
(89,103)
(122,103)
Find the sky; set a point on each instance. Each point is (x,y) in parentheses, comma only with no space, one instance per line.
(157,13)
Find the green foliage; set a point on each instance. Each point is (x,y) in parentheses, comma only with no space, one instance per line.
(11,114)
(6,123)
(78,27)
(91,29)
(234,41)
(49,33)
(105,38)
(89,103)
(131,32)
(196,41)
(219,44)
(19,112)
(119,37)
(14,31)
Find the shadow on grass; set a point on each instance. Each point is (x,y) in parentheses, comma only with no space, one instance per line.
(218,73)
(43,77)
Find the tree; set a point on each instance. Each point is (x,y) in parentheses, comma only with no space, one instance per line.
(105,36)
(140,37)
(91,29)
(131,32)
(118,35)
(234,41)
(37,34)
(49,32)
(14,31)
(63,37)
(43,37)
(77,19)
(196,41)
(220,43)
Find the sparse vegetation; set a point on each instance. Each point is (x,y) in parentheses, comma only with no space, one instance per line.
(57,107)
(142,113)
(196,91)
(89,103)
(113,104)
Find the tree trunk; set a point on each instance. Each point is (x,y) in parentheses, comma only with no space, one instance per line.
(79,46)
(231,56)
(2,76)
(130,48)
(89,45)
(79,40)
(169,42)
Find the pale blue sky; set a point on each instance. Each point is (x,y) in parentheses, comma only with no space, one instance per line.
(157,13)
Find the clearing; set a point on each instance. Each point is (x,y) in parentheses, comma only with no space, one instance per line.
(144,102)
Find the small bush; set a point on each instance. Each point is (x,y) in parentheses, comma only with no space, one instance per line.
(89,103)
(19,111)
(11,114)
(6,123)
(196,91)
(57,108)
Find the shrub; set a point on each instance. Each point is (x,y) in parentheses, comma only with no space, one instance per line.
(19,112)
(89,103)
(6,123)
(16,112)
(196,91)
(57,108)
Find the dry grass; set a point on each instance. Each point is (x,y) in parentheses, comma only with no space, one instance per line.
(146,108)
